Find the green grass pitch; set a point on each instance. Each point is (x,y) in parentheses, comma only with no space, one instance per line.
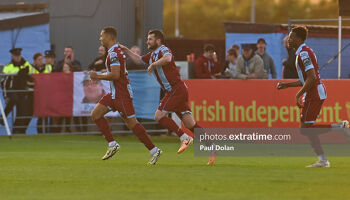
(70,167)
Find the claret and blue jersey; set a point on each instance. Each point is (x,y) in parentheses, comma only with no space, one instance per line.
(121,88)
(306,60)
(168,75)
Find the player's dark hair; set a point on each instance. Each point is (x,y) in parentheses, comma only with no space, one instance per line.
(208,47)
(158,34)
(110,31)
(36,55)
(301,32)
(232,52)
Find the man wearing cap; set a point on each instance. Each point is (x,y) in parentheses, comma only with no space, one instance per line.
(17,62)
(21,81)
(269,65)
(250,65)
(50,59)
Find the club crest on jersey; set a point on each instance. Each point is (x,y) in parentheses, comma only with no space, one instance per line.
(155,57)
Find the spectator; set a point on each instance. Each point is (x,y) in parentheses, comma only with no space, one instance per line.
(130,64)
(57,122)
(67,68)
(39,66)
(207,65)
(99,63)
(68,58)
(80,122)
(17,62)
(21,81)
(237,49)
(250,65)
(269,65)
(289,69)
(230,70)
(50,59)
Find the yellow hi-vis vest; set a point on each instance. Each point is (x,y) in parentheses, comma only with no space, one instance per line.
(12,69)
(48,69)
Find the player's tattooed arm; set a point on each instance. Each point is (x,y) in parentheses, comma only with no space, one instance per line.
(134,57)
(113,75)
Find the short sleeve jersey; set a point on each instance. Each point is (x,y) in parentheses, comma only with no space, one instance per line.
(306,60)
(168,75)
(121,88)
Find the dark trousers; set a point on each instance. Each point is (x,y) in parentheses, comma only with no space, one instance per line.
(24,109)
(13,101)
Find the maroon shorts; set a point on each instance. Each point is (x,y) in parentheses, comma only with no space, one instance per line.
(123,106)
(311,111)
(176,100)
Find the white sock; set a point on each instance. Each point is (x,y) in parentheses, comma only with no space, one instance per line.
(111,144)
(184,137)
(322,157)
(154,150)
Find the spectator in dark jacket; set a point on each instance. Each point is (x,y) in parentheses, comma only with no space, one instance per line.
(68,58)
(289,69)
(99,63)
(207,65)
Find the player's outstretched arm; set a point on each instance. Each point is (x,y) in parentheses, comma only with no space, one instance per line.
(134,57)
(282,85)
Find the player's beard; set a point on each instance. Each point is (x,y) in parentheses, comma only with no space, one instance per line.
(152,47)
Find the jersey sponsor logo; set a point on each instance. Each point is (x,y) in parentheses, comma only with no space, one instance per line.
(155,57)
(305,58)
(307,61)
(114,58)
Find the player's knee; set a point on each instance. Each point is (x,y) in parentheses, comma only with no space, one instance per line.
(94,115)
(188,121)
(158,116)
(131,123)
